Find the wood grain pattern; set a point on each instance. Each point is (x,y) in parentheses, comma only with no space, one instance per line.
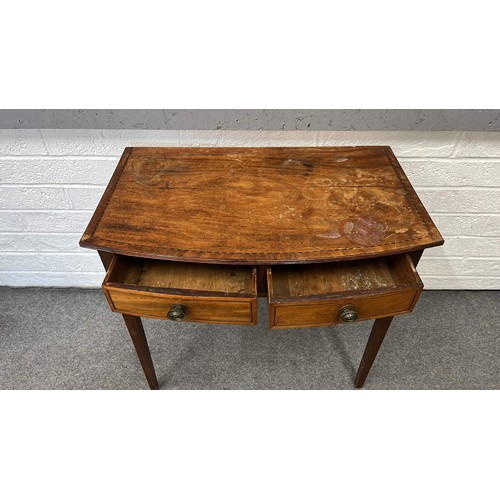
(377,335)
(294,282)
(312,295)
(326,312)
(347,218)
(260,206)
(156,274)
(209,293)
(340,277)
(199,309)
(136,332)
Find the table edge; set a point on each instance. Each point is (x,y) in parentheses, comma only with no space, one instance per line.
(86,240)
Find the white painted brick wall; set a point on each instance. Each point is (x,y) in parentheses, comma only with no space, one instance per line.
(52,180)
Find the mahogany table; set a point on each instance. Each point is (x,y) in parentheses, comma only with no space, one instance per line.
(329,235)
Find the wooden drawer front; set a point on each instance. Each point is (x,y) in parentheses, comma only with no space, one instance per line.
(313,295)
(305,314)
(198,309)
(204,293)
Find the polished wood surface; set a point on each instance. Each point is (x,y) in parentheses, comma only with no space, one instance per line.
(377,335)
(327,312)
(312,295)
(260,206)
(208,293)
(196,234)
(136,331)
(199,308)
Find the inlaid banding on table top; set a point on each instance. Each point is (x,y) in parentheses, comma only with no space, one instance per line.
(260,205)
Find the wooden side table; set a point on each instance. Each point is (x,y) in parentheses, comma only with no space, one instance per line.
(329,235)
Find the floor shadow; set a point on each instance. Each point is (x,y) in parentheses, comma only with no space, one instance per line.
(339,346)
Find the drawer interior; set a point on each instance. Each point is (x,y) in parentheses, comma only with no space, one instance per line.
(179,277)
(342,278)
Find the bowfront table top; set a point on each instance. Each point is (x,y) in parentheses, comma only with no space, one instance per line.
(328,235)
(260,206)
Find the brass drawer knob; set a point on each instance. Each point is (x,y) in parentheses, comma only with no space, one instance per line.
(348,314)
(177,312)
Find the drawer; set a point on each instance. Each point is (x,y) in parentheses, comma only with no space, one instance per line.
(326,294)
(182,291)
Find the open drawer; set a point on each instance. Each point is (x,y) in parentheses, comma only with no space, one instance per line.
(325,294)
(182,291)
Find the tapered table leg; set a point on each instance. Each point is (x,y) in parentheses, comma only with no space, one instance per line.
(377,335)
(136,331)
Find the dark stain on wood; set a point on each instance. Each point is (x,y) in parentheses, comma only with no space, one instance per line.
(260,206)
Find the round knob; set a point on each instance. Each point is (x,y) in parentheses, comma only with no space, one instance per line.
(177,312)
(348,314)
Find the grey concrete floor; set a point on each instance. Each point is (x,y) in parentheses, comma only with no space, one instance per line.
(69,339)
